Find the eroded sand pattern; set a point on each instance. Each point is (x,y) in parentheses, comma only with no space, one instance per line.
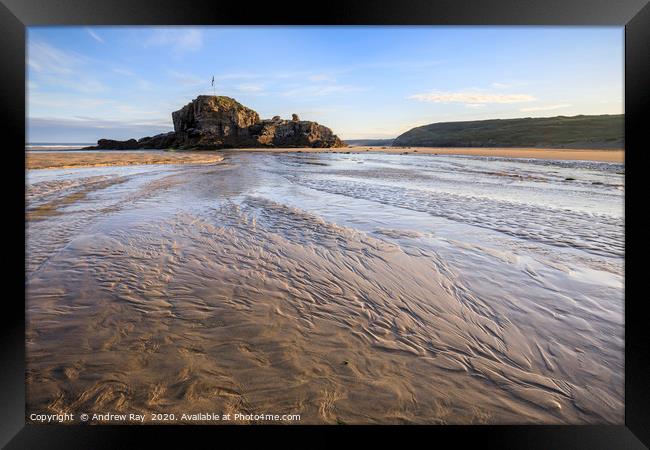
(345,288)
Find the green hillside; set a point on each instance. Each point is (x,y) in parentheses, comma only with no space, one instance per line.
(605,131)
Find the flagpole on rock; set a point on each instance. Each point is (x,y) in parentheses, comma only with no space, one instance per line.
(214,92)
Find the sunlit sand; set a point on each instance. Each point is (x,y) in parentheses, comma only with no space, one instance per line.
(70,159)
(346,288)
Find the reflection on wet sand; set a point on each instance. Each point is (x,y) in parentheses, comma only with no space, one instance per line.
(361,289)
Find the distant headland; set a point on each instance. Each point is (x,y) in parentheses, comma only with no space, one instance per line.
(577,132)
(212,122)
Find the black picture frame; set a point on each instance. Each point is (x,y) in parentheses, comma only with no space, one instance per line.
(15,15)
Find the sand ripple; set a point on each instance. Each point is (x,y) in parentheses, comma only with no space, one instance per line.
(190,291)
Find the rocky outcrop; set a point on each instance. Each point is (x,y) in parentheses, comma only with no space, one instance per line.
(293,133)
(116,145)
(216,122)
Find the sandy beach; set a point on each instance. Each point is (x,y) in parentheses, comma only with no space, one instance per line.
(533,153)
(345,288)
(70,159)
(315,225)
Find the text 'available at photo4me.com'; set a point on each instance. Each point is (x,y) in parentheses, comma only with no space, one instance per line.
(187,418)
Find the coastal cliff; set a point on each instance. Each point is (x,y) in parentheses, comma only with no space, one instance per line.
(216,122)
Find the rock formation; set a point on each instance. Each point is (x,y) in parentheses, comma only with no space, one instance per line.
(216,122)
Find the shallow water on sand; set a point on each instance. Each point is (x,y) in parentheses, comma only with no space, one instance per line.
(347,288)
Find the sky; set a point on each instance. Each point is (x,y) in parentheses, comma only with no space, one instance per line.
(87,83)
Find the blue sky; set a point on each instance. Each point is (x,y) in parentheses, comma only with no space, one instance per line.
(363,82)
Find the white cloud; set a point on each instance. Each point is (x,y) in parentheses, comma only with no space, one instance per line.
(89,129)
(144,85)
(321,90)
(67,105)
(512,84)
(44,58)
(73,83)
(179,40)
(320,77)
(188,79)
(545,108)
(277,75)
(238,75)
(250,88)
(125,72)
(140,83)
(95,36)
(51,66)
(471,97)
(50,100)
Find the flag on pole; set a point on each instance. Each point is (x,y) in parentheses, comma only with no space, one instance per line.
(212,80)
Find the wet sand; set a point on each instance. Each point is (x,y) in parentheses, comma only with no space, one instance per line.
(532,153)
(68,159)
(71,159)
(357,289)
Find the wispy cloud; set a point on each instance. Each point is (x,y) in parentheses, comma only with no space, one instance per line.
(512,84)
(471,97)
(45,58)
(95,36)
(250,88)
(125,72)
(49,100)
(89,129)
(320,77)
(72,82)
(545,108)
(179,40)
(52,66)
(321,90)
(140,83)
(73,106)
(239,76)
(83,85)
(187,79)
(276,75)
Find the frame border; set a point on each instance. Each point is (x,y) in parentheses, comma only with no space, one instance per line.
(16,15)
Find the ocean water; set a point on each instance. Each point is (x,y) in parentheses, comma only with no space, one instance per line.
(57,146)
(347,288)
